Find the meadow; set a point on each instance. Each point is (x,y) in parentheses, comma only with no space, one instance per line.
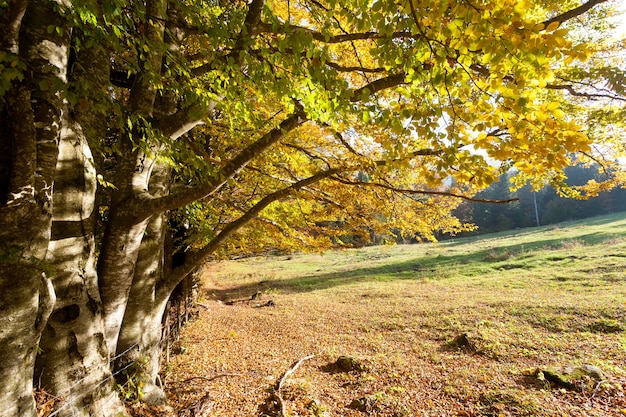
(525,323)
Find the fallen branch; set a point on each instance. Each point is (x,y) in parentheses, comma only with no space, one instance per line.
(186,382)
(201,406)
(276,396)
(269,303)
(254,296)
(208,379)
(291,370)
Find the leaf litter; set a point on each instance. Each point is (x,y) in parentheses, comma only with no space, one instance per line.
(423,348)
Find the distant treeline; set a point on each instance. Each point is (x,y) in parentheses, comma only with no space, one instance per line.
(549,208)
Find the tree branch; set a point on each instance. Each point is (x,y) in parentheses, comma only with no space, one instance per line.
(179,123)
(196,259)
(308,153)
(251,27)
(279,385)
(346,37)
(11,20)
(591,96)
(480,69)
(229,170)
(378,85)
(342,68)
(422,192)
(570,14)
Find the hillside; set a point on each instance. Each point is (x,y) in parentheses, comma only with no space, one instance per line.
(529,323)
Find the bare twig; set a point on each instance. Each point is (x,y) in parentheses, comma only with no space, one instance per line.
(279,384)
(207,378)
(290,371)
(423,192)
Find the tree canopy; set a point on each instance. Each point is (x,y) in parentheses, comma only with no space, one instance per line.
(263,125)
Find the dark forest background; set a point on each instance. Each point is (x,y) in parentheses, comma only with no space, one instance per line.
(550,208)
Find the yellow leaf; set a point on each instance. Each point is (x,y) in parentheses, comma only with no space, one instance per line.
(521,6)
(562,32)
(559,40)
(553,106)
(541,116)
(553,26)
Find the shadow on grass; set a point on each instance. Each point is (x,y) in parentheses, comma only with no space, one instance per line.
(421,268)
(588,239)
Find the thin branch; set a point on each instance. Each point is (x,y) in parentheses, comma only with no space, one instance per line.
(267,175)
(344,142)
(422,192)
(570,14)
(342,68)
(320,5)
(308,153)
(324,197)
(281,382)
(480,69)
(346,37)
(591,96)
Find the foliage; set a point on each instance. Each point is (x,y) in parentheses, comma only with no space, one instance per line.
(408,96)
(132,386)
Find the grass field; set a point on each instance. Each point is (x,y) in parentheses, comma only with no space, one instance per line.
(511,324)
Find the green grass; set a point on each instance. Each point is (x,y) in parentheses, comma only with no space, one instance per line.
(528,300)
(579,254)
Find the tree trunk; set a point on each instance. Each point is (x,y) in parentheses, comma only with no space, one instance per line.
(24,231)
(140,334)
(29,111)
(116,267)
(74,363)
(125,228)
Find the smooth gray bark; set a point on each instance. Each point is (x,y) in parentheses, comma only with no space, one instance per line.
(28,140)
(125,230)
(74,363)
(140,335)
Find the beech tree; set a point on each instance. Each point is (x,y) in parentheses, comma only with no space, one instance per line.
(260,125)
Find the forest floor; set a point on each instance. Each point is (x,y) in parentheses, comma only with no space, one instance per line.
(530,323)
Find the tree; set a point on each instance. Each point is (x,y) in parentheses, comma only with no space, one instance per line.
(266,125)
(551,207)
